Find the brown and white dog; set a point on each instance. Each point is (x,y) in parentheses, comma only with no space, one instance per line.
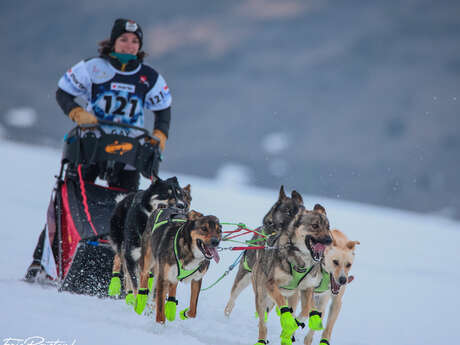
(337,261)
(179,250)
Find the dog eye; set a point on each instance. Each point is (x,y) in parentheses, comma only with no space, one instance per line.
(315,226)
(204,229)
(336,262)
(348,265)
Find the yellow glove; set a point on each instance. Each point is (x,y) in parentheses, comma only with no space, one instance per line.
(81,116)
(160,135)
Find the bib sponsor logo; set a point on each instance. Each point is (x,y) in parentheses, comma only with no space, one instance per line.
(122,87)
(118,148)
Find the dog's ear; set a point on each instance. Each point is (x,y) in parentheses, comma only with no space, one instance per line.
(194,215)
(320,209)
(282,195)
(351,244)
(297,197)
(188,189)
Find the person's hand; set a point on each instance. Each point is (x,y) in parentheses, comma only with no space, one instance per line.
(162,137)
(81,116)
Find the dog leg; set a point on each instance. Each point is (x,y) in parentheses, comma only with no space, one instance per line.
(115,282)
(195,293)
(261,307)
(142,293)
(333,314)
(242,280)
(293,301)
(130,299)
(160,297)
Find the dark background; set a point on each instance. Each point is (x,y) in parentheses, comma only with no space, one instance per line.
(362,96)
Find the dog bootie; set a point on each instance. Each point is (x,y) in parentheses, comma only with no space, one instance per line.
(150,281)
(115,284)
(141,300)
(170,308)
(183,314)
(288,325)
(324,341)
(130,300)
(314,321)
(261,342)
(256,314)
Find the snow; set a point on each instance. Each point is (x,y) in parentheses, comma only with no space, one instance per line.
(405,262)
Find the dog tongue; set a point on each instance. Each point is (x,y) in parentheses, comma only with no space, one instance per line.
(215,254)
(318,249)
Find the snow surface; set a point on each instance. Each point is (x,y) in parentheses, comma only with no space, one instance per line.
(406,262)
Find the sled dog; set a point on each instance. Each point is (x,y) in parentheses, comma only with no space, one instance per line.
(129,219)
(338,259)
(290,269)
(177,250)
(277,218)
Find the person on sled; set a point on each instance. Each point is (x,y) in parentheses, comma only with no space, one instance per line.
(117,86)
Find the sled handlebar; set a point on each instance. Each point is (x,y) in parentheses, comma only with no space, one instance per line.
(117,124)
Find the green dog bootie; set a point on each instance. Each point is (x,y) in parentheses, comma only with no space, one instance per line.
(170,308)
(183,314)
(256,314)
(288,324)
(150,281)
(115,285)
(286,341)
(141,300)
(314,321)
(324,341)
(130,300)
(261,342)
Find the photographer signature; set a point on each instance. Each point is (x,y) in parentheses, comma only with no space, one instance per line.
(35,340)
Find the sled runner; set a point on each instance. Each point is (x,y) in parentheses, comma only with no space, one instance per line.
(77,254)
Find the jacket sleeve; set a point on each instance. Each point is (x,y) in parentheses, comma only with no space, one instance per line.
(66,101)
(162,120)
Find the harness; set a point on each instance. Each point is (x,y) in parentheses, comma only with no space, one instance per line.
(163,217)
(297,277)
(325,282)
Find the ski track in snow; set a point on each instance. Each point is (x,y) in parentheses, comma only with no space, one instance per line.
(404,261)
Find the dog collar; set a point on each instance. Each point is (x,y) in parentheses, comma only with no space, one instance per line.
(182,273)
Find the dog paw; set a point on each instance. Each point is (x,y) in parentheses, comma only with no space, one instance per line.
(141,301)
(314,321)
(115,286)
(183,314)
(288,323)
(170,308)
(324,342)
(130,299)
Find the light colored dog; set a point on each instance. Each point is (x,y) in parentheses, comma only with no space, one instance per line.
(337,261)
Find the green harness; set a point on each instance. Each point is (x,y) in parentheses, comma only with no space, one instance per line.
(182,273)
(297,277)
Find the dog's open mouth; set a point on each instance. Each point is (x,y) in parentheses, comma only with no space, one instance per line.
(208,251)
(335,287)
(316,248)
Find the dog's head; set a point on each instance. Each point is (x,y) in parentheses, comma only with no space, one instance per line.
(309,232)
(283,211)
(168,193)
(205,234)
(338,259)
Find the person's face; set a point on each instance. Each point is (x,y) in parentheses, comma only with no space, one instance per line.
(128,43)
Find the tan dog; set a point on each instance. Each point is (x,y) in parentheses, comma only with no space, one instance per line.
(337,261)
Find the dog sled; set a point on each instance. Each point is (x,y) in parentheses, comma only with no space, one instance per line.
(77,255)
